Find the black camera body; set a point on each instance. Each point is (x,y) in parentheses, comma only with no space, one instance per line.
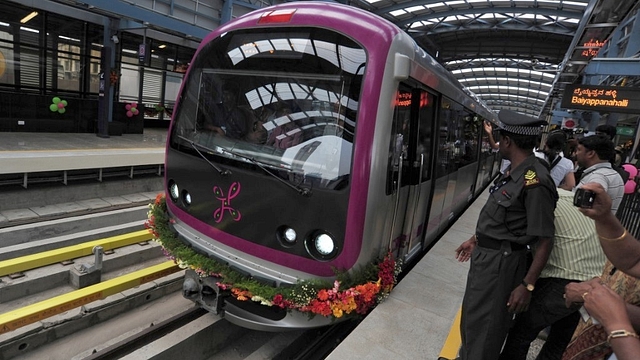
(584,198)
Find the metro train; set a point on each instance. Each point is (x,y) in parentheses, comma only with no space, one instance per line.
(310,139)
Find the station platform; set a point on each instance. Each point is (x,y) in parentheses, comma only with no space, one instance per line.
(36,141)
(27,152)
(415,321)
(42,162)
(421,317)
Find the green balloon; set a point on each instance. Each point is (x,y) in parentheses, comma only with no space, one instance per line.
(62,111)
(53,107)
(64,102)
(56,100)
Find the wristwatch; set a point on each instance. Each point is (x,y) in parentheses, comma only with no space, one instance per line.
(529,287)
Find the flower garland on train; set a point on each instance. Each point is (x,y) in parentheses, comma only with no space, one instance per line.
(351,294)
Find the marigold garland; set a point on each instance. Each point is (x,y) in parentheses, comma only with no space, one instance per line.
(351,294)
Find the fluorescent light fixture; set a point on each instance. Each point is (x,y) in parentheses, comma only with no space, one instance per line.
(29,17)
(29,30)
(162,46)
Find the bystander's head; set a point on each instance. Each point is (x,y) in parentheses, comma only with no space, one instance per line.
(594,149)
(608,130)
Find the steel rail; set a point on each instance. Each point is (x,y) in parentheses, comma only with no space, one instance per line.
(32,313)
(33,261)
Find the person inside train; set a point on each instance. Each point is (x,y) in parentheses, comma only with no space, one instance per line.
(257,133)
(518,214)
(612,301)
(560,168)
(229,118)
(593,154)
(576,257)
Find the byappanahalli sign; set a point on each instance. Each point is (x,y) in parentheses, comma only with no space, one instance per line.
(602,98)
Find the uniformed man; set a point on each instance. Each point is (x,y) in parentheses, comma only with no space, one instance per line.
(518,215)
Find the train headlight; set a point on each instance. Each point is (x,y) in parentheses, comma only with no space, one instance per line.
(174,192)
(290,235)
(322,246)
(186,197)
(287,236)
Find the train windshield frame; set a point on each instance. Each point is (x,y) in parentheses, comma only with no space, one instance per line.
(284,98)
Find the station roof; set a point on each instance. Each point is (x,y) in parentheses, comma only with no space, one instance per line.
(516,54)
(513,54)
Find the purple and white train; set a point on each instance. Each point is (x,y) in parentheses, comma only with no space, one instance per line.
(311,135)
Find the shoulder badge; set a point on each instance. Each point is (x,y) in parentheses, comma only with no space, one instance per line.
(531,178)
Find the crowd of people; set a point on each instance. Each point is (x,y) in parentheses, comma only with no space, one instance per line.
(549,254)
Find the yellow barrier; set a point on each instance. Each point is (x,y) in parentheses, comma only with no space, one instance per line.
(70,252)
(452,344)
(29,314)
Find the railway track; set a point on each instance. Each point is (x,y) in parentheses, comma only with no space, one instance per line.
(136,311)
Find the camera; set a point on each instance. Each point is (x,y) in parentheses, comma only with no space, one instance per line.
(584,198)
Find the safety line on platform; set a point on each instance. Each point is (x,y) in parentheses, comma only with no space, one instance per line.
(33,261)
(452,343)
(32,313)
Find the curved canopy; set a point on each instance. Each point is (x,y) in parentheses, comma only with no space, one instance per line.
(516,54)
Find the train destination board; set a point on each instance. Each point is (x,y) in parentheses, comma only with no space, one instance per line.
(602,98)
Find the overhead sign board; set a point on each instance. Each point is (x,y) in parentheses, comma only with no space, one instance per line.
(602,98)
(624,130)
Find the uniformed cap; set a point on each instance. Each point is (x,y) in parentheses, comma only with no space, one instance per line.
(520,124)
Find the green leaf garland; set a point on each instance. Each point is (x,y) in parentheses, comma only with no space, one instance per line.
(353,293)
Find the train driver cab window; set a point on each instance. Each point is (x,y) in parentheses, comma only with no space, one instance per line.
(285,101)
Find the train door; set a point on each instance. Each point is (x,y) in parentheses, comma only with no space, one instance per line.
(445,168)
(411,160)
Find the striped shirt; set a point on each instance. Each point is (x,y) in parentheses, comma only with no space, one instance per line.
(603,174)
(576,253)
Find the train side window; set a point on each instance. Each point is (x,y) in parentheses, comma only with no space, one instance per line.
(426,118)
(470,127)
(450,144)
(399,140)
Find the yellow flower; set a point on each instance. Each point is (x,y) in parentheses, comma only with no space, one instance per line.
(350,305)
(337,312)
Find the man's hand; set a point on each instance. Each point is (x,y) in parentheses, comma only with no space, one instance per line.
(463,252)
(487,127)
(519,299)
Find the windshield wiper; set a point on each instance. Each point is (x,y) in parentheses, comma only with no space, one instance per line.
(299,189)
(195,147)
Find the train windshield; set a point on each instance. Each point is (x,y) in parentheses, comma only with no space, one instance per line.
(284,98)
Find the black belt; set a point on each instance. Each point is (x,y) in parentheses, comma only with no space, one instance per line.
(489,243)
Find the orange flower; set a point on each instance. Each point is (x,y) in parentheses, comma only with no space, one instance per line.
(242,295)
(323,295)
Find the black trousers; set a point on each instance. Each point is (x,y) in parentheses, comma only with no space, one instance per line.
(485,321)
(547,308)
